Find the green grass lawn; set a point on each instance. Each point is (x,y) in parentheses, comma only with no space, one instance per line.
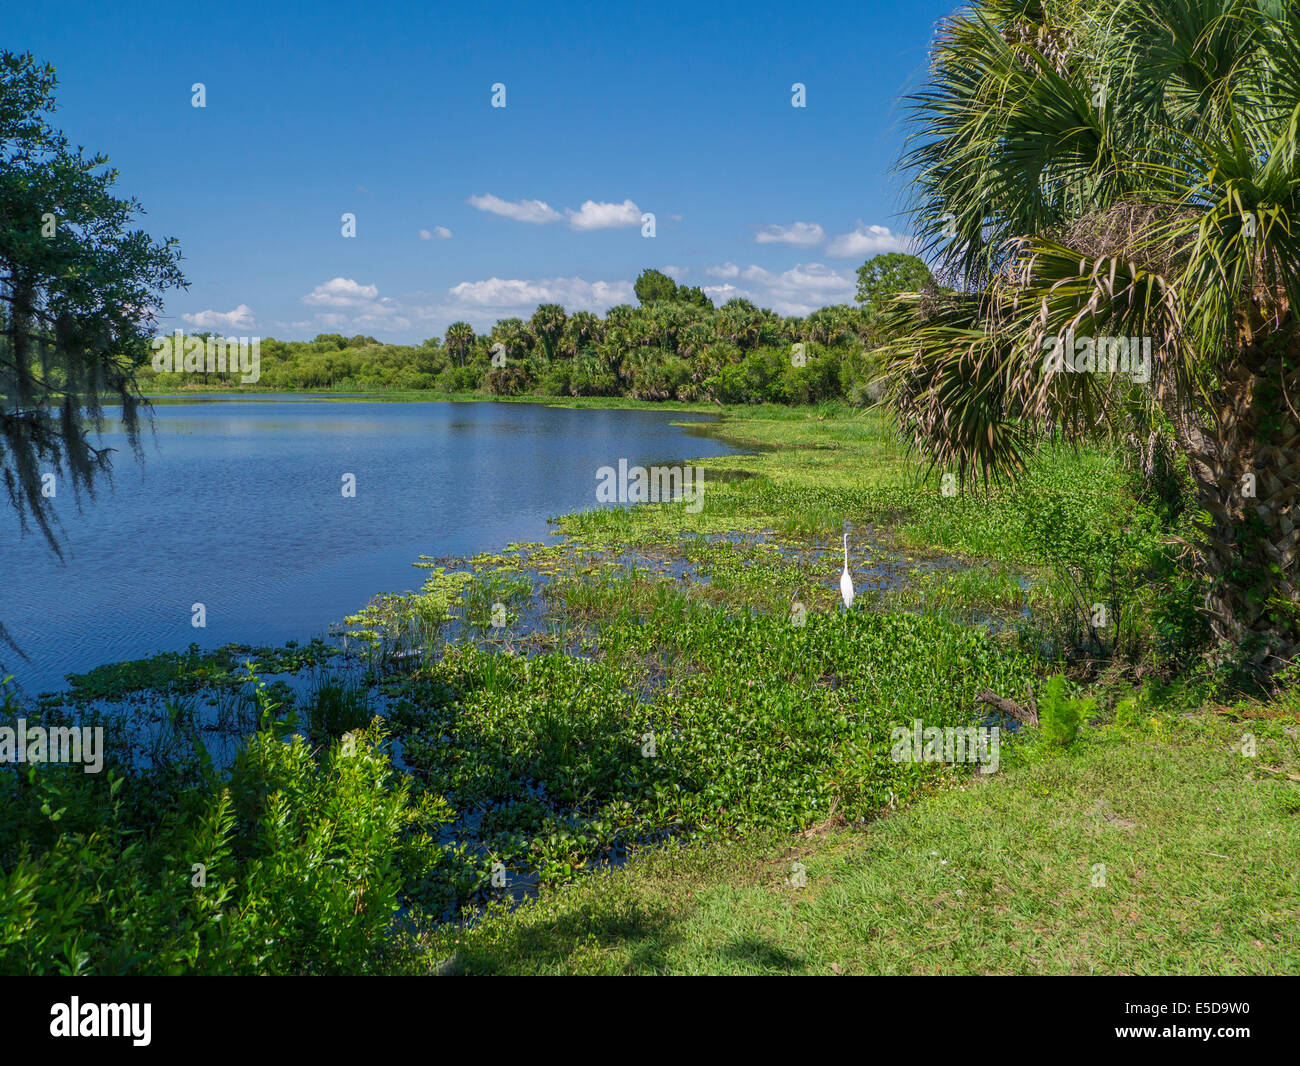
(1002,875)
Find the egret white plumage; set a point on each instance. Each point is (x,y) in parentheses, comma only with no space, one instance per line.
(846,582)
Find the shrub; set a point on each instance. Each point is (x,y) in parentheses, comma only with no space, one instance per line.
(458,379)
(293,863)
(1059,717)
(517,376)
(556,380)
(591,377)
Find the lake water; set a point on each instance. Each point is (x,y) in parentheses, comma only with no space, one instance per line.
(239,506)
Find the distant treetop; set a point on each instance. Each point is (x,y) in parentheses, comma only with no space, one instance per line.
(881,276)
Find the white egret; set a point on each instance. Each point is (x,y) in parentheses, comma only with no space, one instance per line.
(846,582)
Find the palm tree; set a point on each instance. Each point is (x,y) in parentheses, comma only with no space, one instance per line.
(512,334)
(547,325)
(740,322)
(829,325)
(640,329)
(1093,171)
(459,340)
(665,321)
(583,330)
(613,346)
(619,316)
(695,338)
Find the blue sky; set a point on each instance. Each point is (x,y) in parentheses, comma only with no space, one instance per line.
(384,111)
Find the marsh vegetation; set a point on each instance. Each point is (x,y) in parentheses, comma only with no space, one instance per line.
(651,692)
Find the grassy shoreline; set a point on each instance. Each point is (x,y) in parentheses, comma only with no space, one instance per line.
(996,876)
(523,747)
(1009,866)
(434,396)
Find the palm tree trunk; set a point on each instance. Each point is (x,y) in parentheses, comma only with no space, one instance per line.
(1247,473)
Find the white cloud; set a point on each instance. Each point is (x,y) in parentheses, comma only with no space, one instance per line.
(240,318)
(800,234)
(868,240)
(727,270)
(520,210)
(720,294)
(797,291)
(341,292)
(441,232)
(676,273)
(345,306)
(517,296)
(595,215)
(360,306)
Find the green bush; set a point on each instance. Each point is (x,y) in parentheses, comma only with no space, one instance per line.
(590,376)
(1059,716)
(290,863)
(458,379)
(516,377)
(556,380)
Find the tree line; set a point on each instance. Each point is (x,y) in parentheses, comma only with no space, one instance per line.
(674,345)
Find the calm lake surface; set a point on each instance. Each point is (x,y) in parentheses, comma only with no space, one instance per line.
(238,506)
